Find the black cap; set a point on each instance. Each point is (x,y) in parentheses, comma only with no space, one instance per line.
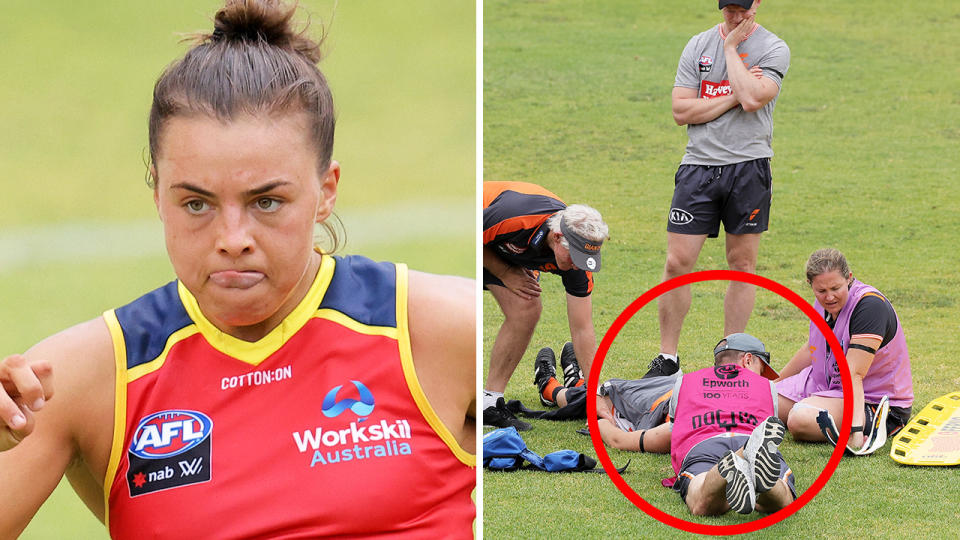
(745,4)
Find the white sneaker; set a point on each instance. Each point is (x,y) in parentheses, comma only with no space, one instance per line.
(763,455)
(740,491)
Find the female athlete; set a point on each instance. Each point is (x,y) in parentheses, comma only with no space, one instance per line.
(272,389)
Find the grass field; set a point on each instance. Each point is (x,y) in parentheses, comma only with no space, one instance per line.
(78,232)
(576,97)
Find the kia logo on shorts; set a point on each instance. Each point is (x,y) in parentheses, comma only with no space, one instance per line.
(168,433)
(680,217)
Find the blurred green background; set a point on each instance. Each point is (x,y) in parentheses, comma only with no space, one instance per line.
(78,231)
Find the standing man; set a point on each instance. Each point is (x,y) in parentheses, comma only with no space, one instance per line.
(528,230)
(727,83)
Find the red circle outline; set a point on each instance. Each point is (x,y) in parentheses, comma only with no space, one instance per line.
(720,275)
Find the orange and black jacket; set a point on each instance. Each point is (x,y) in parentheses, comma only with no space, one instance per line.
(515,227)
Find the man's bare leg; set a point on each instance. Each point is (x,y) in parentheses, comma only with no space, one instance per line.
(672,306)
(738,303)
(520,320)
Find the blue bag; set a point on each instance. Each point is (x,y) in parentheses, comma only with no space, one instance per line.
(505,450)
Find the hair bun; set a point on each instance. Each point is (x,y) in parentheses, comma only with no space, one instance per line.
(266,20)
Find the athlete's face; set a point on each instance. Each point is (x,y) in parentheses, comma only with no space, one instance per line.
(831,290)
(238,202)
(562,254)
(733,15)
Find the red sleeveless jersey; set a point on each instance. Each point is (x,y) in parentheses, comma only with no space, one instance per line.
(318,429)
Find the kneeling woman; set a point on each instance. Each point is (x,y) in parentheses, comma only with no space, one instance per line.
(867,326)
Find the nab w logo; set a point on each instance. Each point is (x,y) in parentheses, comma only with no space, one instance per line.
(362,407)
(165,441)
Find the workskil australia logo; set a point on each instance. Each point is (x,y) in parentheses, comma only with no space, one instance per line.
(362,438)
(362,407)
(169,449)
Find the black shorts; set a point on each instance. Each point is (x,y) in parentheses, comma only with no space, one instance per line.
(737,195)
(705,454)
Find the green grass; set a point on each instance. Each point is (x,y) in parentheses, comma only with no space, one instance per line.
(577,98)
(74,101)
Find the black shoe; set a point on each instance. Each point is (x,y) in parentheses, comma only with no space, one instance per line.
(500,417)
(661,366)
(544,368)
(568,363)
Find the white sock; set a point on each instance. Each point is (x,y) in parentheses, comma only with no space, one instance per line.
(669,356)
(490,398)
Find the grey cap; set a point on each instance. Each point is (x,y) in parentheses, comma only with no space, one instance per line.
(584,253)
(747,343)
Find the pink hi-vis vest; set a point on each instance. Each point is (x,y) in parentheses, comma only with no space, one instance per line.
(718,401)
(889,373)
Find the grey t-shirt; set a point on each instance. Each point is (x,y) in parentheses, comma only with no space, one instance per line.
(736,135)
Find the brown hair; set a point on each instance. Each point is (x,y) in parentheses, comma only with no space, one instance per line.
(727,356)
(826,260)
(254,62)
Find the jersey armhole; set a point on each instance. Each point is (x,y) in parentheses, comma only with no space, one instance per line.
(410,374)
(119,409)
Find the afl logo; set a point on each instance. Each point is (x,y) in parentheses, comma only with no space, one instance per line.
(705,63)
(680,217)
(168,433)
(726,371)
(361,407)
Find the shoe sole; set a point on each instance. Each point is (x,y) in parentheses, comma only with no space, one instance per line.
(739,490)
(763,455)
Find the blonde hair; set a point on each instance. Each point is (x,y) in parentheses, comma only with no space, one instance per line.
(582,220)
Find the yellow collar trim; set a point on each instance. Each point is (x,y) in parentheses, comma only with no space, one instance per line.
(257,351)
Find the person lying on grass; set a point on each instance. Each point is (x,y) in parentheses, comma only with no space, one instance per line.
(722,432)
